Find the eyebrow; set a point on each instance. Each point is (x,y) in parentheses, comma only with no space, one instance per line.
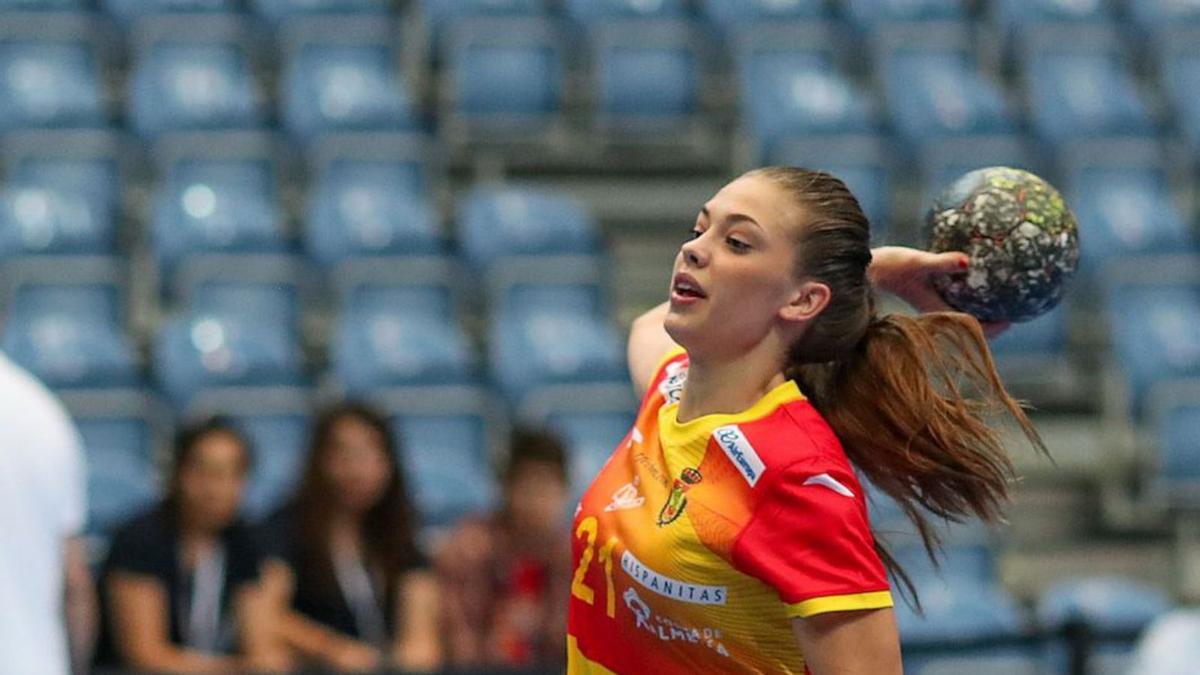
(732,217)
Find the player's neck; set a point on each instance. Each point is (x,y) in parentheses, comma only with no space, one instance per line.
(715,385)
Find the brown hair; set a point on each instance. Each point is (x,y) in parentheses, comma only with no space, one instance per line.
(531,445)
(183,450)
(910,398)
(388,527)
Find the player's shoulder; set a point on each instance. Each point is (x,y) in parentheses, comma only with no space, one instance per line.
(669,376)
(792,438)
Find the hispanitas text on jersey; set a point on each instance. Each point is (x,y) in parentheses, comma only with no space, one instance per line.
(698,543)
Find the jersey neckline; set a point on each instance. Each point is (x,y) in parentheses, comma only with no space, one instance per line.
(674,432)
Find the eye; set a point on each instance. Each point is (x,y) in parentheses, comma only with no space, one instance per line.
(737,245)
(695,233)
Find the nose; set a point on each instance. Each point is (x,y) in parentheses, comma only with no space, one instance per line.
(694,253)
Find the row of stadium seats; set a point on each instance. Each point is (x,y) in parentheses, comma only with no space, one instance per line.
(962,600)
(512,75)
(375,196)
(864,13)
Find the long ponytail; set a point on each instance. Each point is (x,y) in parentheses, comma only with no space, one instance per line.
(913,400)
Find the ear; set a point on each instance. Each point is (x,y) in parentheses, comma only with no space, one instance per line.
(809,299)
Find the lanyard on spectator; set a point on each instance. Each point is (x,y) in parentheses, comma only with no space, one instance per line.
(355,582)
(202,629)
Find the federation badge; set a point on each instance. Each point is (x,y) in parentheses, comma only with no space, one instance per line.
(677,500)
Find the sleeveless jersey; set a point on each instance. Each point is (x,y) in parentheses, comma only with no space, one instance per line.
(697,543)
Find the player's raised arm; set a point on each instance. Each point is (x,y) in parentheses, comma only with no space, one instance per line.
(648,342)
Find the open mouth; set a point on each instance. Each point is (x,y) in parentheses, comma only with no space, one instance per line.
(684,286)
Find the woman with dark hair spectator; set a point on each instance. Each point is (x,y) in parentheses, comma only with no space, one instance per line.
(345,575)
(504,574)
(180,585)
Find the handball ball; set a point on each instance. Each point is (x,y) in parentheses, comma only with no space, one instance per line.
(1019,235)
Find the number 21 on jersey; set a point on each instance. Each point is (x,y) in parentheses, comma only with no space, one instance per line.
(587,531)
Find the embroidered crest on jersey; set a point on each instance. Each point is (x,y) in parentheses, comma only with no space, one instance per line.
(739,451)
(677,499)
(672,384)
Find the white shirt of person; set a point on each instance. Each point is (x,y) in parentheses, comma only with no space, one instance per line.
(42,503)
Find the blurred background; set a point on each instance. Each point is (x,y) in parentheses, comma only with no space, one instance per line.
(454,208)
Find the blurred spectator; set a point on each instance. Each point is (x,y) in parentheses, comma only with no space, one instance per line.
(180,585)
(346,575)
(505,575)
(43,506)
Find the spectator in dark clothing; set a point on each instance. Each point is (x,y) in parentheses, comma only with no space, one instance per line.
(180,585)
(346,577)
(504,576)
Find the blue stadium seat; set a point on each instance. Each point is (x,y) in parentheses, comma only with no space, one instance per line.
(193,86)
(956,610)
(1164,13)
(862,162)
(1157,336)
(399,336)
(1082,92)
(587,11)
(279,10)
(869,14)
(216,206)
(648,75)
(129,11)
(1126,210)
(70,335)
(97,178)
(234,335)
(1034,361)
(966,561)
(1173,408)
(795,90)
(959,610)
(442,15)
(542,344)
(36,219)
(280,443)
(933,93)
(504,74)
(1017,15)
(731,13)
(276,302)
(41,5)
(496,223)
(49,85)
(999,664)
(1104,604)
(1180,62)
(345,87)
(540,291)
(122,479)
(370,209)
(943,161)
(446,459)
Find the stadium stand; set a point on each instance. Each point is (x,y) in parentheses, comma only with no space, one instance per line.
(446,207)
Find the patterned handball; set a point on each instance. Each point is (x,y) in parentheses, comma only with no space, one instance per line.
(1021,239)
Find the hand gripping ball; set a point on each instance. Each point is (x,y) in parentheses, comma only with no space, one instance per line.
(1020,236)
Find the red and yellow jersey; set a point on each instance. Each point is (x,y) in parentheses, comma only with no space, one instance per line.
(698,543)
